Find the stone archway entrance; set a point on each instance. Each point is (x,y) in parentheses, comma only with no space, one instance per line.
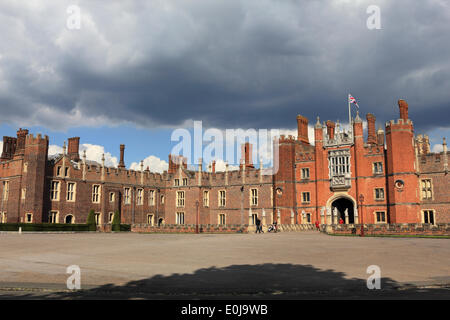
(341,205)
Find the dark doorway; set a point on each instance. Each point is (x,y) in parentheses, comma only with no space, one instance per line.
(69,219)
(341,205)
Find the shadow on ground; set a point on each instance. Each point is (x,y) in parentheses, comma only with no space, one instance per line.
(264,281)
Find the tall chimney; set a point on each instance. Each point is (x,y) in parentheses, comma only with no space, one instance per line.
(246,155)
(21,137)
(371,136)
(330,129)
(122,151)
(403,106)
(302,129)
(73,149)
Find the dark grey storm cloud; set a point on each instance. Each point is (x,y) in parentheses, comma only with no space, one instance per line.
(230,63)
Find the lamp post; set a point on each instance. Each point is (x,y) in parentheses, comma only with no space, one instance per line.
(361,201)
(197,216)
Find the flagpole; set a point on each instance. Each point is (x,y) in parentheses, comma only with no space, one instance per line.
(349,113)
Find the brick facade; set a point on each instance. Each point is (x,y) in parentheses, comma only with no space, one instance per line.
(388,177)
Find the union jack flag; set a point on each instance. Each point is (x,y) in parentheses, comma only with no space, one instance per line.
(351,99)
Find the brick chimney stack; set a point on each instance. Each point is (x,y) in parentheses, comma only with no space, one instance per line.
(403,106)
(246,155)
(122,151)
(371,136)
(74,148)
(330,129)
(21,137)
(302,129)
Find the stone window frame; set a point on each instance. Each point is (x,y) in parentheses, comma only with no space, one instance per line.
(177,218)
(176,182)
(74,191)
(185,181)
(56,217)
(152,220)
(305,173)
(96,196)
(303,197)
(339,159)
(221,203)
(98,218)
(27,216)
(431,190)
(5,191)
(25,167)
(112,197)
(23,194)
(375,194)
(66,172)
(110,217)
(127,195)
(219,219)
(422,216)
(52,190)
(162,199)
(151,197)
(206,198)
(374,167)
(180,199)
(58,171)
(253,198)
(308,217)
(254,217)
(140,197)
(3,217)
(375,217)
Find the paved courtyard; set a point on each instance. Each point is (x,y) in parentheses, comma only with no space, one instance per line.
(306,264)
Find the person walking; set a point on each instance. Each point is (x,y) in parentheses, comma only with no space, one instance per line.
(317,226)
(258,225)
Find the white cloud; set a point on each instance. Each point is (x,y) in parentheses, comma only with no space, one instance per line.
(54,149)
(437,148)
(220,166)
(93,153)
(155,164)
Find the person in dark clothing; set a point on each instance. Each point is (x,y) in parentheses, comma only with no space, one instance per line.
(258,226)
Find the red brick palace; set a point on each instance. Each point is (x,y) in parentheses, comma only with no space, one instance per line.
(389,177)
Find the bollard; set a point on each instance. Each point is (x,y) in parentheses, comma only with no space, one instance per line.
(20,230)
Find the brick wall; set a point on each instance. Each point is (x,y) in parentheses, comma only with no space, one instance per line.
(391,229)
